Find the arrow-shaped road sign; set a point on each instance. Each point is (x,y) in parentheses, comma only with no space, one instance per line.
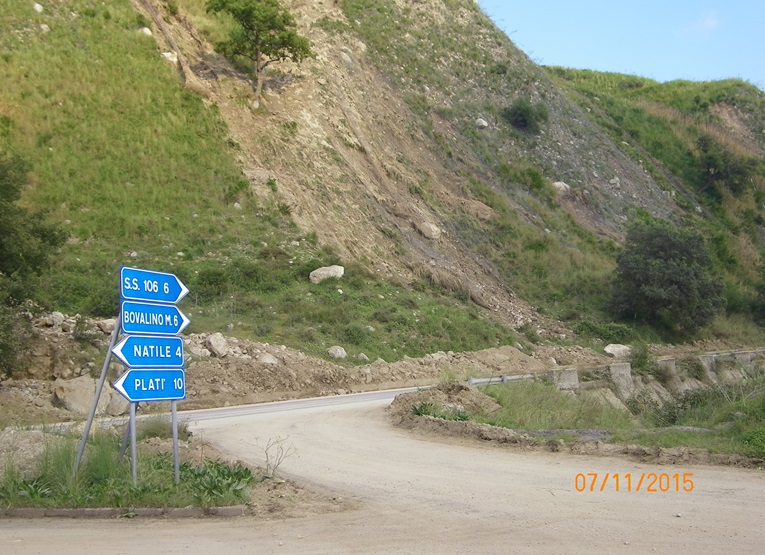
(151,318)
(152,385)
(150,351)
(145,285)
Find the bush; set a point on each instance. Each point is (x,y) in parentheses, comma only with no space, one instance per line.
(524,115)
(664,276)
(755,442)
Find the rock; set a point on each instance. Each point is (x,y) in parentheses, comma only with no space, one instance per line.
(37,7)
(44,28)
(337,352)
(561,187)
(117,404)
(146,31)
(327,272)
(481,123)
(217,345)
(269,359)
(57,318)
(196,349)
(171,57)
(429,230)
(237,206)
(107,326)
(77,395)
(617,351)
(362,356)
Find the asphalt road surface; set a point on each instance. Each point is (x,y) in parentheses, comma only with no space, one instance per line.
(415,495)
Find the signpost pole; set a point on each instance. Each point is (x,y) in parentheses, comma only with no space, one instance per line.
(133,459)
(123,447)
(176,457)
(99,388)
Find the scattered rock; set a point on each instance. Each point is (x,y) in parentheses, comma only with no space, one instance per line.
(269,359)
(617,351)
(146,31)
(337,352)
(561,187)
(429,230)
(171,57)
(107,325)
(37,7)
(217,345)
(77,395)
(481,123)
(327,272)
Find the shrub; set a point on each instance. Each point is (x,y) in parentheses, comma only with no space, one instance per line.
(524,115)
(755,442)
(665,275)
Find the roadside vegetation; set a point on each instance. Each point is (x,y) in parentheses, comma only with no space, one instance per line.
(726,419)
(105,480)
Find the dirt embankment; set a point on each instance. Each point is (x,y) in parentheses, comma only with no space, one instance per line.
(224,371)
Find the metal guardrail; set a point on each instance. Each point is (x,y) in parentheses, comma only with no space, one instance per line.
(494,380)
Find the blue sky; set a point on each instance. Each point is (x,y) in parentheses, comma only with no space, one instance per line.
(662,40)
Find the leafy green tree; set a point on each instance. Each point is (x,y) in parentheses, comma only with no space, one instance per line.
(26,243)
(666,274)
(264,33)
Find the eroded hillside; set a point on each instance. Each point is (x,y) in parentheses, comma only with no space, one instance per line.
(336,140)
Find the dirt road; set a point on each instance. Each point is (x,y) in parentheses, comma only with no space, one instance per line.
(419,496)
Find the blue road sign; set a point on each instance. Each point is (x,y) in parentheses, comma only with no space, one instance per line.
(150,351)
(152,319)
(145,285)
(152,385)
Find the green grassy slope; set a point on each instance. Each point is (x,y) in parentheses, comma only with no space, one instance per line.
(141,173)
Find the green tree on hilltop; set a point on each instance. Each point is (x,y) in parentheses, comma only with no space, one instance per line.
(666,274)
(264,33)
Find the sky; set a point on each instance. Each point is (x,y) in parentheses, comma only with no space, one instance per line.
(664,40)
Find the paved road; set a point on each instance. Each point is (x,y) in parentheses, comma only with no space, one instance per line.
(419,496)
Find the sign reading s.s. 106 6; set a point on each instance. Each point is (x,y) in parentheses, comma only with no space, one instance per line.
(144,285)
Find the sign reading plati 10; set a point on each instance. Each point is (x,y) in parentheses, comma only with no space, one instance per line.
(151,350)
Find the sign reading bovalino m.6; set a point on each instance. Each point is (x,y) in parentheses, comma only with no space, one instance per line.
(152,318)
(145,285)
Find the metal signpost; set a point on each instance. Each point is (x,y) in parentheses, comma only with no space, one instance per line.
(151,350)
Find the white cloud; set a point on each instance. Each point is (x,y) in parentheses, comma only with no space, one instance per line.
(701,28)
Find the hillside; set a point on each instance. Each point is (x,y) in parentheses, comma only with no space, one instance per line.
(389,151)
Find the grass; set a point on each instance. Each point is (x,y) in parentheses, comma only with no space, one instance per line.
(733,414)
(533,405)
(728,419)
(104,480)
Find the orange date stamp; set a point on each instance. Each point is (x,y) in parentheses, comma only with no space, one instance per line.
(651,482)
